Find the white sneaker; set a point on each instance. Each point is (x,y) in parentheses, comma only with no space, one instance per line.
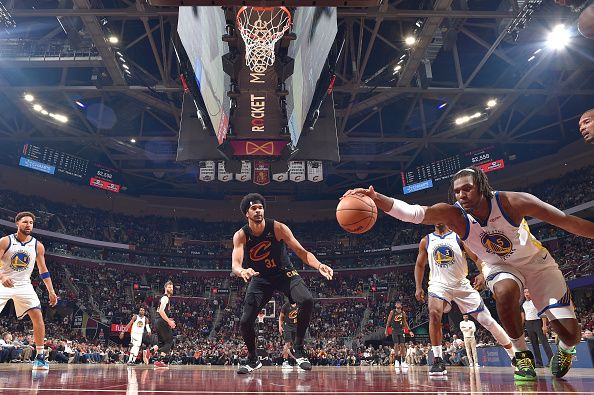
(404,365)
(476,365)
(396,364)
(286,365)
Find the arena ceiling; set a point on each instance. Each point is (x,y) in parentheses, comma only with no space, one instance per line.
(387,120)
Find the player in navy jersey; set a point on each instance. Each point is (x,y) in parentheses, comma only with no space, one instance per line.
(260,256)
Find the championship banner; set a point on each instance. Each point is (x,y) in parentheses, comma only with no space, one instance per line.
(281,177)
(297,171)
(261,172)
(207,170)
(258,147)
(314,171)
(222,175)
(246,171)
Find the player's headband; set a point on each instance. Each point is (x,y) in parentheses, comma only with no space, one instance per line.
(467,169)
(254,202)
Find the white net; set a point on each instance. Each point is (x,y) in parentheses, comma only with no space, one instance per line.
(261,28)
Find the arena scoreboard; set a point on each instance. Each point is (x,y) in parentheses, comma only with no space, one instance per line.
(61,164)
(425,176)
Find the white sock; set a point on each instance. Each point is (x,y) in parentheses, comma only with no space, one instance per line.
(509,351)
(40,350)
(437,351)
(519,344)
(564,346)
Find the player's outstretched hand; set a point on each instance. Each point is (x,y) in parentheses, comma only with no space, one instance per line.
(326,271)
(362,191)
(6,281)
(420,295)
(479,282)
(53,299)
(248,273)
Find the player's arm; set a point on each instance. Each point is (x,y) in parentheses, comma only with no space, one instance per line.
(148,327)
(422,259)
(4,246)
(163,314)
(479,281)
(523,315)
(127,327)
(405,317)
(237,258)
(414,213)
(545,322)
(282,232)
(45,274)
(527,205)
(281,321)
(388,322)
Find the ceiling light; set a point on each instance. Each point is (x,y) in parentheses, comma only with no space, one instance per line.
(133,140)
(119,53)
(410,40)
(29,97)
(491,103)
(37,107)
(61,118)
(442,106)
(126,66)
(113,40)
(462,120)
(559,37)
(397,68)
(80,104)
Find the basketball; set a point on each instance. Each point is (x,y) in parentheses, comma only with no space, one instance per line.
(356,213)
(586,22)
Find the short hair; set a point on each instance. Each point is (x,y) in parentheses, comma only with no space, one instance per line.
(588,112)
(167,283)
(479,178)
(24,214)
(248,201)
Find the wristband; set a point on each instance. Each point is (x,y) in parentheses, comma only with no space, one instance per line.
(407,212)
(44,275)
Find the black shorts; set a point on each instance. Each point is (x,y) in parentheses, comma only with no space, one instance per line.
(398,338)
(289,335)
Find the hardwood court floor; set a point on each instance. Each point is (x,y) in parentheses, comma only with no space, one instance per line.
(119,379)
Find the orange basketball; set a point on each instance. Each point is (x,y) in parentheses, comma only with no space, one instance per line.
(356,213)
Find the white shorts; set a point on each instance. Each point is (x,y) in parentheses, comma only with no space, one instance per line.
(545,281)
(23,296)
(467,298)
(136,339)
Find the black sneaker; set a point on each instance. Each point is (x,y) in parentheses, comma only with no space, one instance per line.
(249,367)
(561,361)
(438,368)
(301,359)
(524,366)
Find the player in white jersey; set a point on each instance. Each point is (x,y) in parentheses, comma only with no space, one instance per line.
(448,269)
(492,225)
(19,253)
(137,326)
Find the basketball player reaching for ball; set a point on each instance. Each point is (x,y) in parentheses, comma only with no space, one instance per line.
(18,252)
(260,254)
(492,224)
(287,327)
(164,327)
(139,335)
(398,321)
(448,269)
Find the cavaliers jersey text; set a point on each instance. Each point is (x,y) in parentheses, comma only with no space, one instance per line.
(500,241)
(264,253)
(447,262)
(290,313)
(18,260)
(397,322)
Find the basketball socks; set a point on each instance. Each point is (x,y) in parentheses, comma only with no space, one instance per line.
(510,351)
(519,344)
(565,347)
(437,351)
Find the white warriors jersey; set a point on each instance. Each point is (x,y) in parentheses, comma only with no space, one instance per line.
(18,261)
(447,262)
(139,324)
(501,241)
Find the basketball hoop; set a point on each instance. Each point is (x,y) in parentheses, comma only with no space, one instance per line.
(261,316)
(261,28)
